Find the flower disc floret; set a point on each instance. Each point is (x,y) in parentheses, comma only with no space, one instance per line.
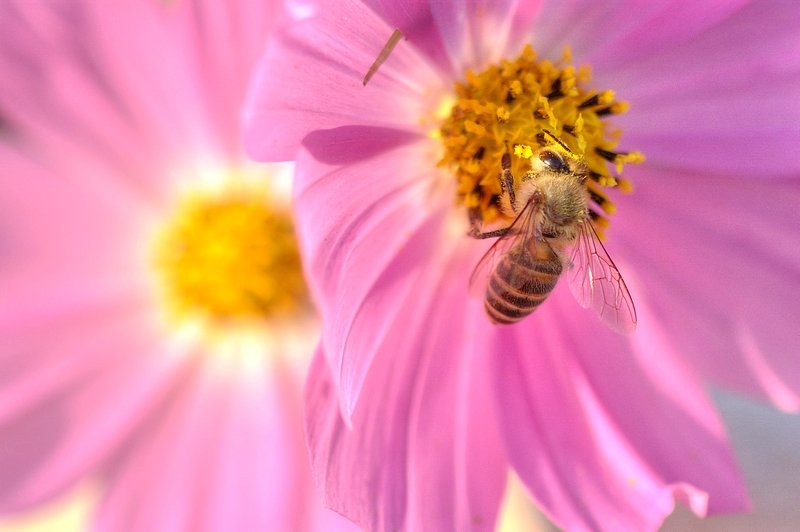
(232,256)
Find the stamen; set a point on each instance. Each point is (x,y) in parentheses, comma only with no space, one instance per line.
(606,154)
(614,109)
(601,98)
(597,198)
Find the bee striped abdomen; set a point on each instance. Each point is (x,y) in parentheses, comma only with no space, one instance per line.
(519,284)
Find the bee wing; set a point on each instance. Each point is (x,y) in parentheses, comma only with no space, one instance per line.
(520,230)
(596,282)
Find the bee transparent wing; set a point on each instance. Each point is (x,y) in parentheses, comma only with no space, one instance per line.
(520,230)
(596,282)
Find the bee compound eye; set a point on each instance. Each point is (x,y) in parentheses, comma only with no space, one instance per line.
(553,160)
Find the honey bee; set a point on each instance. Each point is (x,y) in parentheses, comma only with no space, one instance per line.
(552,234)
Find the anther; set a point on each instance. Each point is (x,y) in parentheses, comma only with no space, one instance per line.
(555,90)
(615,108)
(591,102)
(607,155)
(597,198)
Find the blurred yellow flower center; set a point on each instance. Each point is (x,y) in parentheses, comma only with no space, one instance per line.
(230,256)
(509,106)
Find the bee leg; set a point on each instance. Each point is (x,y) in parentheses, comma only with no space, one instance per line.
(507,182)
(475,218)
(475,232)
(476,221)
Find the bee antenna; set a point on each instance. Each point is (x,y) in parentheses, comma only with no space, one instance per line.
(557,140)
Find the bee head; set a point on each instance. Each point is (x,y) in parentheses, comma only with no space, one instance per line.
(565,164)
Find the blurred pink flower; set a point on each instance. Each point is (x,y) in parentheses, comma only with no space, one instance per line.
(604,431)
(110,112)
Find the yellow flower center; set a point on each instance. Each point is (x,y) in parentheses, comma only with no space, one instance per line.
(230,256)
(508,107)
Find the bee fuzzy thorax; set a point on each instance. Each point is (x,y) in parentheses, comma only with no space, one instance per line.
(564,200)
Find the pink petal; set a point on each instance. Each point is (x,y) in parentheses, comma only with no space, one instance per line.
(593,458)
(688,102)
(224,453)
(57,341)
(457,468)
(114,378)
(662,27)
(423,452)
(43,57)
(59,229)
(522,22)
(364,250)
(361,473)
(475,32)
(82,86)
(758,152)
(620,31)
(350,144)
(732,52)
(342,42)
(721,274)
(225,40)
(164,95)
(326,520)
(159,491)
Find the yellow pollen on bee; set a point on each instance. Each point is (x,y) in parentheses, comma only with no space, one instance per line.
(523,150)
(510,105)
(230,256)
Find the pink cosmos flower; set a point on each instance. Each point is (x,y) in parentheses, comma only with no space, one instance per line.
(130,354)
(416,404)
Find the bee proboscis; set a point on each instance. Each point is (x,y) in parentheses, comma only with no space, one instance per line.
(551,235)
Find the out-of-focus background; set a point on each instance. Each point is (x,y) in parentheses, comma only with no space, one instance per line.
(767,444)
